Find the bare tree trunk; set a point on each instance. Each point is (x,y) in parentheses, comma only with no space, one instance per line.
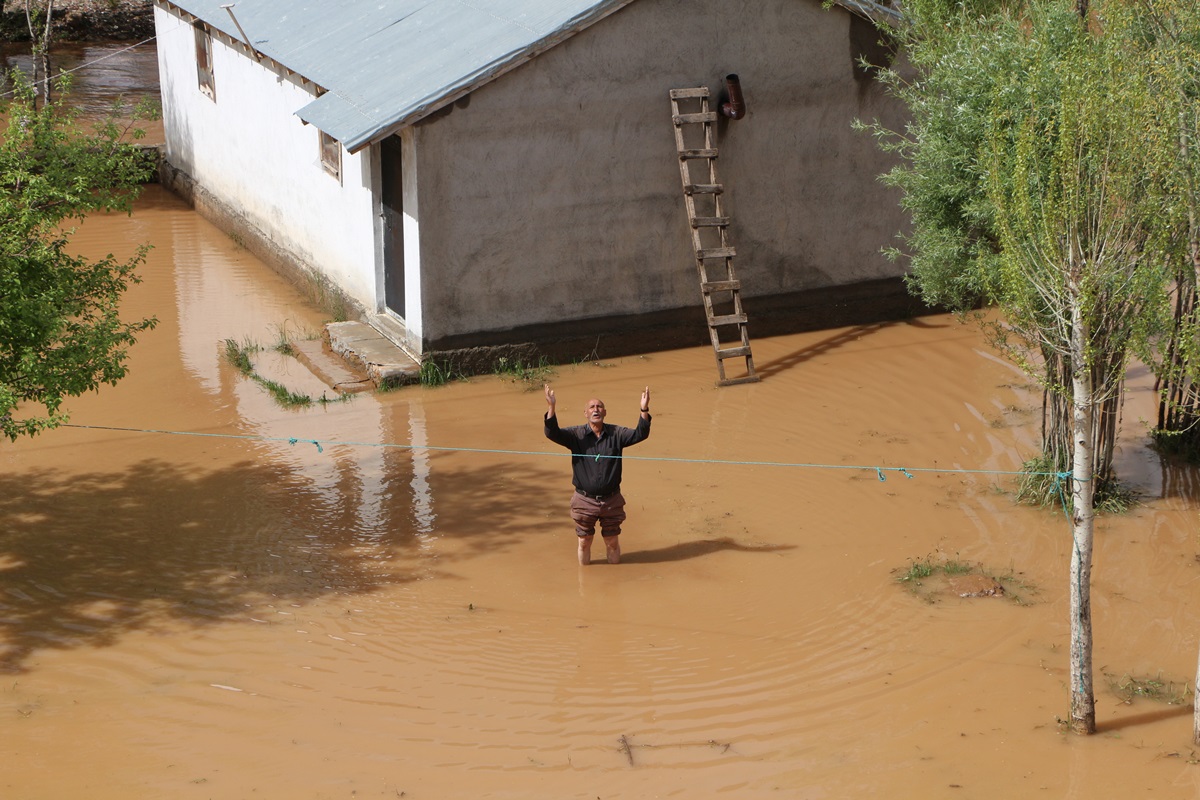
(1083,701)
(1058,420)
(40,44)
(1056,413)
(1196,706)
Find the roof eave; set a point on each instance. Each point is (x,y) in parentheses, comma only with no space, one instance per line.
(888,13)
(486,75)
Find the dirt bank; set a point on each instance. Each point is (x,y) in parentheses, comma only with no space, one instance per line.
(83,20)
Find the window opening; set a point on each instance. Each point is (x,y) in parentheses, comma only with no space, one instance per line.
(331,154)
(204,69)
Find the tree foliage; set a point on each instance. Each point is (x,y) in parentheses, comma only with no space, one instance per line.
(61,333)
(1042,178)
(1074,185)
(1167,38)
(983,69)
(1072,178)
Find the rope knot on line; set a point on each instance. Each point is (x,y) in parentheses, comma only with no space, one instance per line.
(901,470)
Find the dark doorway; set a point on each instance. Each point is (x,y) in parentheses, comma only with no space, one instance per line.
(393,223)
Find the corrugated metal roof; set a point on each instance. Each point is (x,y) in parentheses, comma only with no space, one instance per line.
(387,63)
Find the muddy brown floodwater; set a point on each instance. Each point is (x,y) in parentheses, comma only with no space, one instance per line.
(227,614)
(103,75)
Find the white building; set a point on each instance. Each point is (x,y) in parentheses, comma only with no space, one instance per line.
(503,172)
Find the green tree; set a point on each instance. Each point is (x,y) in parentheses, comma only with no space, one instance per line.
(1171,50)
(965,58)
(1071,179)
(1168,35)
(61,333)
(1032,169)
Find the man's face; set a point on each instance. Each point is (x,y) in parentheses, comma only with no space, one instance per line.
(595,411)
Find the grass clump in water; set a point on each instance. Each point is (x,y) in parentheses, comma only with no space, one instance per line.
(1114,497)
(283,395)
(435,372)
(919,570)
(521,371)
(238,354)
(953,567)
(1128,688)
(1042,484)
(283,342)
(934,576)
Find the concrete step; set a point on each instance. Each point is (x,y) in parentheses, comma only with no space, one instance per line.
(369,351)
(334,371)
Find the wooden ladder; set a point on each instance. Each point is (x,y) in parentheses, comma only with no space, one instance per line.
(710,232)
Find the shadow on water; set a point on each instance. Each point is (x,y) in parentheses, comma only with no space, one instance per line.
(492,505)
(88,557)
(1146,718)
(840,339)
(700,547)
(778,365)
(91,556)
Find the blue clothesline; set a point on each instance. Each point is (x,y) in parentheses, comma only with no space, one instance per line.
(293,440)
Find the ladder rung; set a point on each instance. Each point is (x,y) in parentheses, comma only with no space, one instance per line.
(708,152)
(728,319)
(721,286)
(699,91)
(699,116)
(703,188)
(710,222)
(734,352)
(716,252)
(733,381)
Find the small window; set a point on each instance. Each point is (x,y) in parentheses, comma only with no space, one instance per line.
(204,70)
(331,154)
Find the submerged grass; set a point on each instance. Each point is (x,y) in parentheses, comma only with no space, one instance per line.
(920,569)
(926,578)
(1040,485)
(238,354)
(1128,688)
(521,371)
(917,571)
(283,342)
(283,395)
(436,372)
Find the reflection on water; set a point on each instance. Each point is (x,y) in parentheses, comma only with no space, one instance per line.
(236,612)
(423,515)
(102,75)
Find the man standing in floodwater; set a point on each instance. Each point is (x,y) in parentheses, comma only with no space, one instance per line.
(596,471)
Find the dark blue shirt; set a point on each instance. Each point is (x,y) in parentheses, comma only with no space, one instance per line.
(598,476)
